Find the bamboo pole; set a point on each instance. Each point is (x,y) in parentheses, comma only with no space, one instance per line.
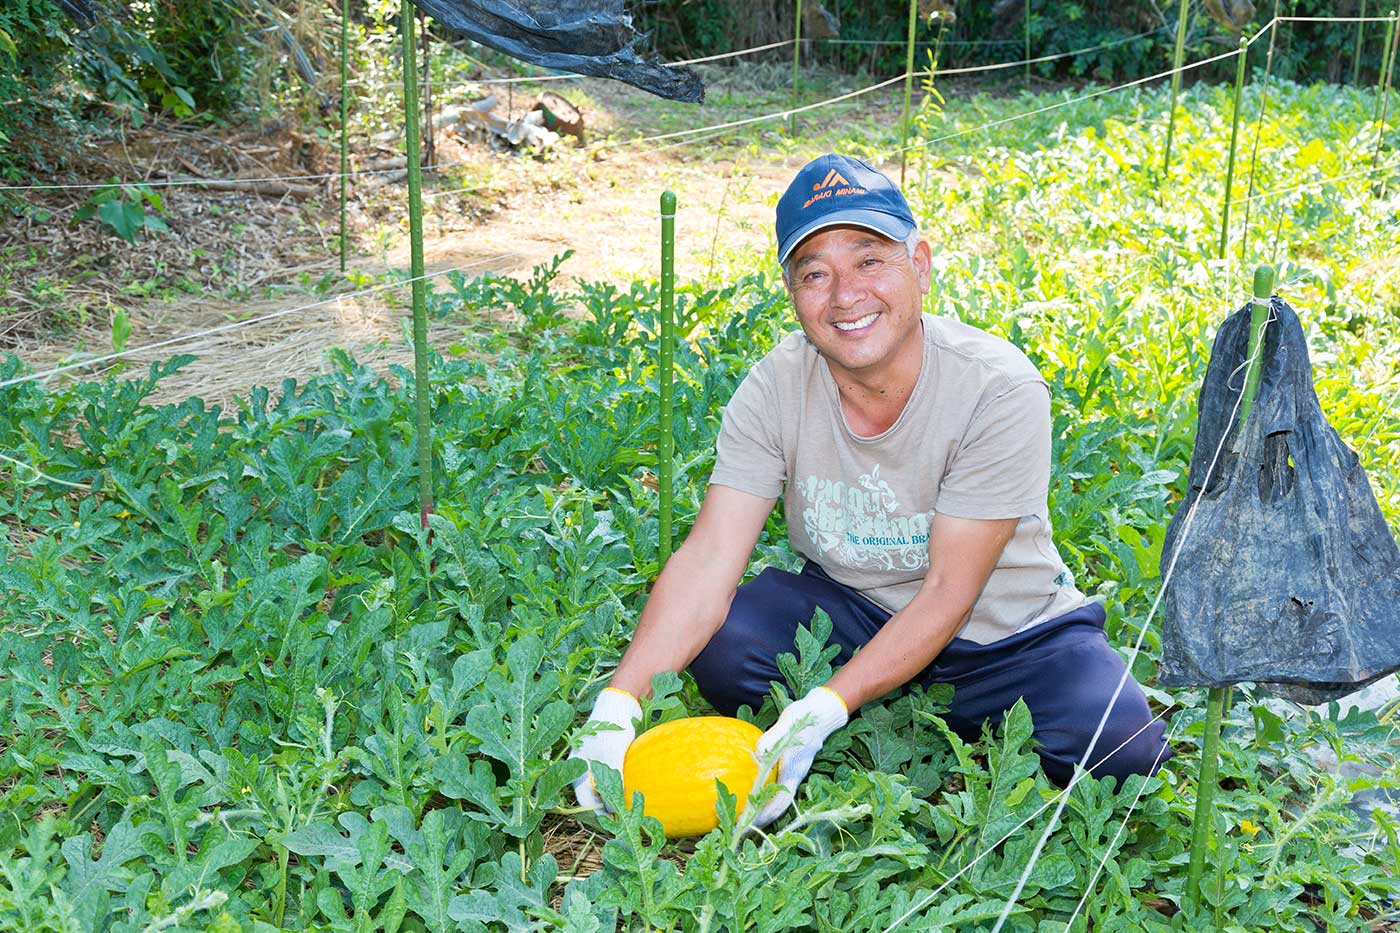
(344,127)
(430,149)
(1234,141)
(796,60)
(1205,796)
(1176,88)
(1356,49)
(665,447)
(1258,132)
(1259,314)
(1027,56)
(415,240)
(1215,704)
(1386,63)
(908,88)
(1392,47)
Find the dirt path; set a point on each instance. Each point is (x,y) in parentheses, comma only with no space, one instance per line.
(609,221)
(600,203)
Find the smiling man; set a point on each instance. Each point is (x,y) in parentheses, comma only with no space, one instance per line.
(912,454)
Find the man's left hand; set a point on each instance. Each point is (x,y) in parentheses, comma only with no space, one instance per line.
(802,729)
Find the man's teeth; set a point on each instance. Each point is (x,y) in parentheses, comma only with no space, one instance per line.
(857,325)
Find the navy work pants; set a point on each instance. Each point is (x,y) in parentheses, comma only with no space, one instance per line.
(1063,668)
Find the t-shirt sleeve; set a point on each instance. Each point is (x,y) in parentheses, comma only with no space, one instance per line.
(1002,467)
(749,450)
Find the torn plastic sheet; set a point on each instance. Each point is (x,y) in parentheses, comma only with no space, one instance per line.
(592,37)
(1289,576)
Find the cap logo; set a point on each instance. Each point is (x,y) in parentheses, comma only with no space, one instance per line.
(833,184)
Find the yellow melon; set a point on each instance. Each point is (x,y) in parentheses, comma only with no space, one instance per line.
(675,766)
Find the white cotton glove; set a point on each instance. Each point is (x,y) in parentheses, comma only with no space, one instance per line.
(802,729)
(616,708)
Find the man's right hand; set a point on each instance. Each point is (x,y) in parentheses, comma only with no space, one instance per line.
(613,713)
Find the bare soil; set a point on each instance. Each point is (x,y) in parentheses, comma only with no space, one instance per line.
(237,255)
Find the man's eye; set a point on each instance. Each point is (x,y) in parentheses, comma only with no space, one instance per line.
(870,262)
(813,276)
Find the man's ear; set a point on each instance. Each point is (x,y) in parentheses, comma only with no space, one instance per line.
(923,265)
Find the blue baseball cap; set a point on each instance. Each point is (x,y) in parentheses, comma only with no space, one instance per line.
(836,189)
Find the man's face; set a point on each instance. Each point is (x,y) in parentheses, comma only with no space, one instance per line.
(858,297)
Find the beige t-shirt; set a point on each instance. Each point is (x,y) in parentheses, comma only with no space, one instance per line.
(972,441)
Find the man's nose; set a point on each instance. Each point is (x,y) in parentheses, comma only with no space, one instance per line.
(846,289)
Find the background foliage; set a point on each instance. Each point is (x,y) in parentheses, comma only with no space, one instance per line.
(983,33)
(217,60)
(242,690)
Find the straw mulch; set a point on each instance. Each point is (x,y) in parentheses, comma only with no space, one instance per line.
(230,363)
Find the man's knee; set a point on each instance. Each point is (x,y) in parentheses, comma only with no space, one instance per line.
(1131,742)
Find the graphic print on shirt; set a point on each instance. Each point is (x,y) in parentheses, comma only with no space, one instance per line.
(858,525)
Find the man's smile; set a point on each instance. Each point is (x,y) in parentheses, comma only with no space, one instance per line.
(858,323)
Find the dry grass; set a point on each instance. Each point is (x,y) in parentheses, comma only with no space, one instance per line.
(577,849)
(230,363)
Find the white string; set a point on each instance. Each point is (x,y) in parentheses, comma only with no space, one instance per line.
(429,195)
(1080,773)
(184,182)
(704,129)
(1066,103)
(764,117)
(713,58)
(525,79)
(1260,34)
(1044,58)
(1021,825)
(1108,850)
(1335,19)
(1319,182)
(923,42)
(83,364)
(1166,581)
(778,114)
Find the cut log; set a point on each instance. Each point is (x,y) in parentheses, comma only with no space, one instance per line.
(379,165)
(270,189)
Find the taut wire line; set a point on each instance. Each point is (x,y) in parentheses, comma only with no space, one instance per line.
(1137,645)
(234,325)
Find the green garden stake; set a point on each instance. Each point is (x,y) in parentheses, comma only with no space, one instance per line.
(1383,80)
(796,60)
(1216,698)
(908,88)
(1356,49)
(415,240)
(344,129)
(1234,141)
(1392,33)
(665,447)
(1258,133)
(1027,56)
(1258,314)
(1176,88)
(430,150)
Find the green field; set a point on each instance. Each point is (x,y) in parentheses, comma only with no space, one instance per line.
(243,691)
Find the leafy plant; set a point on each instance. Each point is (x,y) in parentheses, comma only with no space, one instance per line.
(126,210)
(246,690)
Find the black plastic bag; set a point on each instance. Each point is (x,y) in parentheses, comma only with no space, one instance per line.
(592,37)
(1289,576)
